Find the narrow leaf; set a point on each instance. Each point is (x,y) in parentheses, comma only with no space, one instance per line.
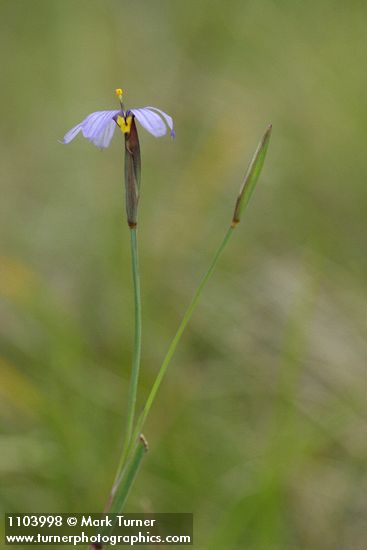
(128,476)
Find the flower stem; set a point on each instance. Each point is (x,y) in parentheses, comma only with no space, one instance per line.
(128,475)
(126,479)
(246,190)
(136,353)
(137,338)
(174,343)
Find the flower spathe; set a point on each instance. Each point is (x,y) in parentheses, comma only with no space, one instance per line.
(99,127)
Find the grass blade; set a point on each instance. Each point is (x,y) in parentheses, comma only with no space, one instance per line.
(128,476)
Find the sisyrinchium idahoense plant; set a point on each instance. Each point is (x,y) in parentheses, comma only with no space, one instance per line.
(98,128)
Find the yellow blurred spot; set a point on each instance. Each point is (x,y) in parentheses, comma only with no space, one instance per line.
(16,279)
(125,123)
(16,388)
(119,93)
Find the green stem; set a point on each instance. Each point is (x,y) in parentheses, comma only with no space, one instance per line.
(128,476)
(137,339)
(247,188)
(136,353)
(130,441)
(172,348)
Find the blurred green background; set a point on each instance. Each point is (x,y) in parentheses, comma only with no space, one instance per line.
(260,425)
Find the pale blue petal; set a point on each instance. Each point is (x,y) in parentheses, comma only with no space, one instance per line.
(150,121)
(70,135)
(98,128)
(166,117)
(103,138)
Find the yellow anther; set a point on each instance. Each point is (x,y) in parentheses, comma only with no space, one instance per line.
(119,93)
(124,123)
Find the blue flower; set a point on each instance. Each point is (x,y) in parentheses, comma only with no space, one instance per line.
(99,127)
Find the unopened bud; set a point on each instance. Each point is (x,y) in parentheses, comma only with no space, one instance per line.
(251,177)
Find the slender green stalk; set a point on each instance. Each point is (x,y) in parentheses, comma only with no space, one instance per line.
(122,487)
(246,190)
(136,353)
(128,475)
(172,348)
(137,338)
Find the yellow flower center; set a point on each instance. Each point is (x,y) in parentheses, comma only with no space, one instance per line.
(124,123)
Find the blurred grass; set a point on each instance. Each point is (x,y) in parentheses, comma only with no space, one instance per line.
(265,436)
